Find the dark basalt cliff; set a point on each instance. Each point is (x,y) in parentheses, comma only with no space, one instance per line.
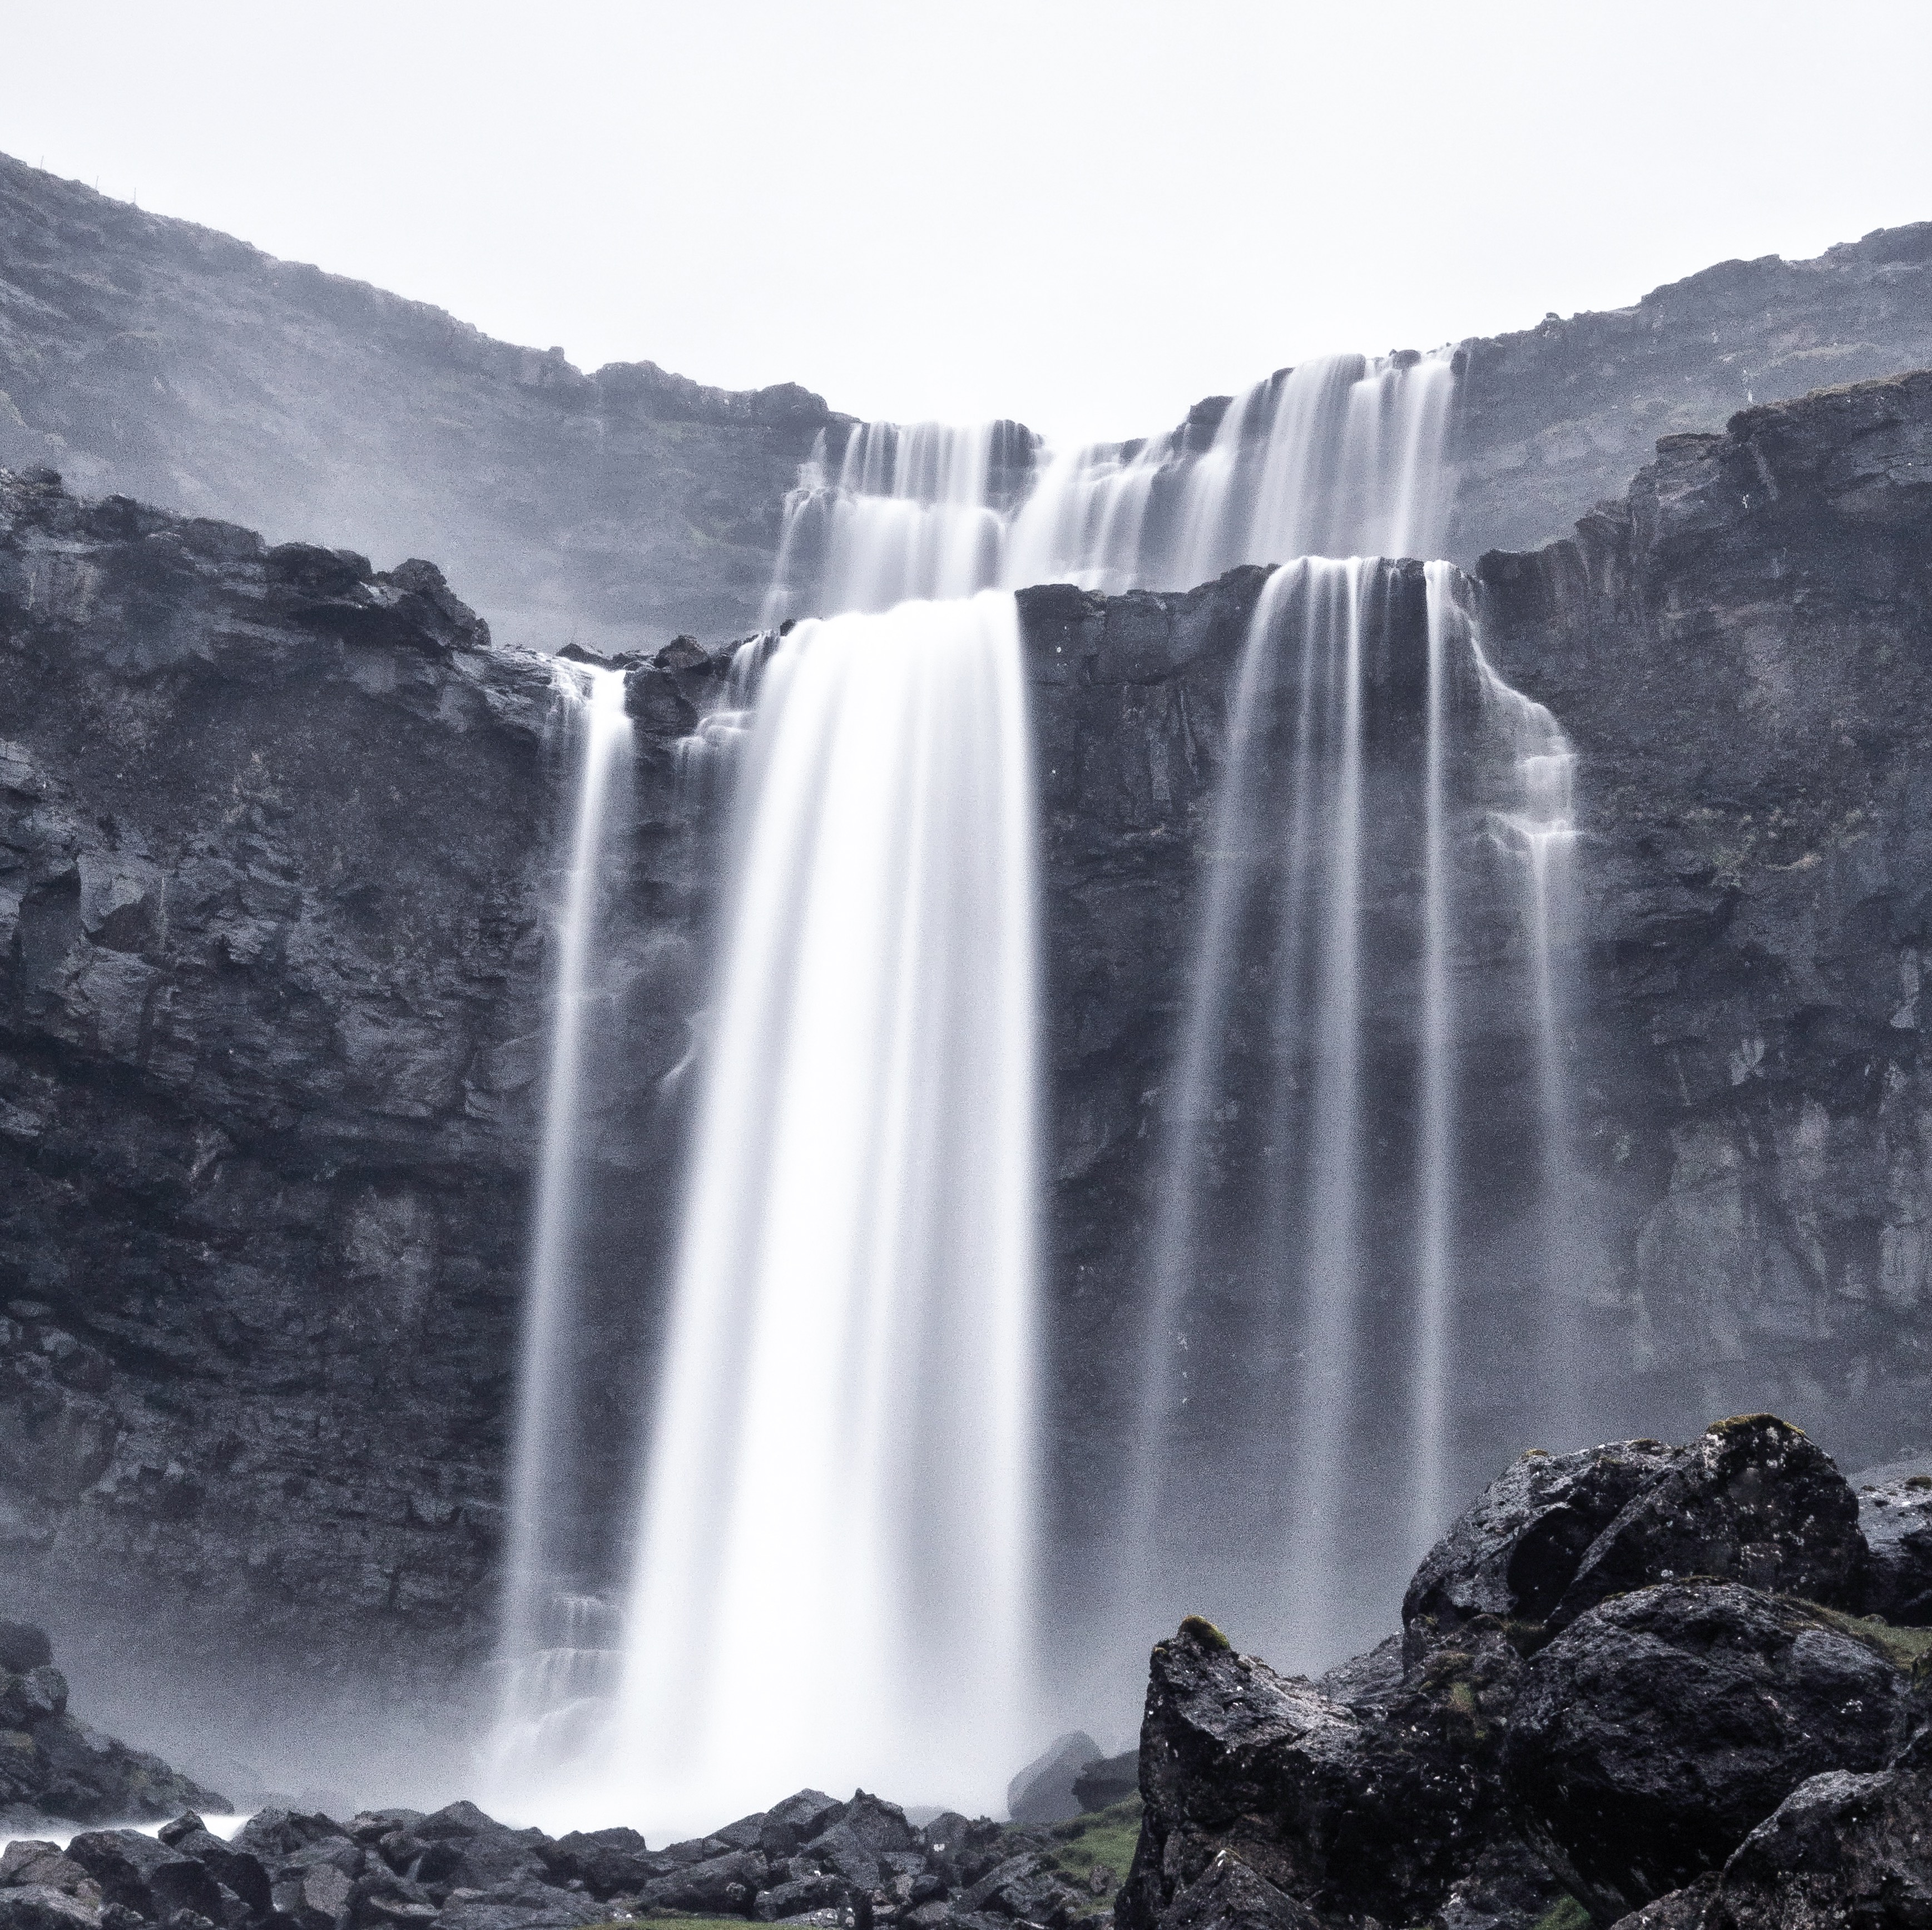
(162,361)
(278,840)
(1742,650)
(1553,418)
(280,835)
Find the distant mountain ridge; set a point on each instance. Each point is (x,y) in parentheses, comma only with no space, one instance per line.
(147,356)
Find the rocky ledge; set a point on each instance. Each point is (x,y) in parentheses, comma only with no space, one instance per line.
(1635,1684)
(52,1764)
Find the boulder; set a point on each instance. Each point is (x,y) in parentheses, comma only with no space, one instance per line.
(1841,1849)
(726,1885)
(798,1896)
(1753,1501)
(605,1861)
(866,1829)
(37,1907)
(144,1875)
(1513,1552)
(236,1869)
(518,1907)
(1342,1813)
(1651,1736)
(1043,1792)
(1895,1514)
(27,1863)
(789,1826)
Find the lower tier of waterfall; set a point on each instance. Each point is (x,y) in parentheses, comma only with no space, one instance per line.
(834,1543)
(1385,891)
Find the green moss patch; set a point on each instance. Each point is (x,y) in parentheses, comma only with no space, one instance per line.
(1106,1836)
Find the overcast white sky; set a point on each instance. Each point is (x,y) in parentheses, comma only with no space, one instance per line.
(1083,214)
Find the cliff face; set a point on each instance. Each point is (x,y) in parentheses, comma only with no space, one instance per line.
(1741,649)
(160,360)
(280,833)
(1551,418)
(277,837)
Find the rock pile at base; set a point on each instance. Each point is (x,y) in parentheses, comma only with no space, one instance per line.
(812,1860)
(52,1764)
(1643,1686)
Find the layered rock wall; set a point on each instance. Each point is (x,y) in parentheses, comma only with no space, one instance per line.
(278,838)
(1742,650)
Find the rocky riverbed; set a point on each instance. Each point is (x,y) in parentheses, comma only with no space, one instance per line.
(1665,1687)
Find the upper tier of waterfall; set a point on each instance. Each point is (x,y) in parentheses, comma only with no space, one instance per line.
(1341,455)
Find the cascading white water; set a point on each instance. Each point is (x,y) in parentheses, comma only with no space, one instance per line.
(1308,1272)
(836,1532)
(915,511)
(549,1667)
(1341,455)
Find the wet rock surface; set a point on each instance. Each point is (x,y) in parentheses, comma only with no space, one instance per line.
(1737,648)
(278,833)
(811,1859)
(1499,1769)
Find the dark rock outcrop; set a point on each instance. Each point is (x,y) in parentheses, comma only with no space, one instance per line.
(1552,418)
(1737,649)
(52,1764)
(277,836)
(1486,1772)
(1648,1739)
(155,359)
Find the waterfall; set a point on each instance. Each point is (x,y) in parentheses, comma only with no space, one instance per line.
(1386,802)
(552,1668)
(835,1534)
(1341,455)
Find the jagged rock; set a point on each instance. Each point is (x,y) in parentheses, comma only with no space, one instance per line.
(1043,1792)
(728,1885)
(1338,1812)
(605,1861)
(1841,1849)
(1229,1895)
(1513,1552)
(144,1875)
(799,1896)
(517,1907)
(792,1823)
(27,1861)
(1752,1500)
(460,1846)
(35,1906)
(1895,1516)
(868,1828)
(1651,1736)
